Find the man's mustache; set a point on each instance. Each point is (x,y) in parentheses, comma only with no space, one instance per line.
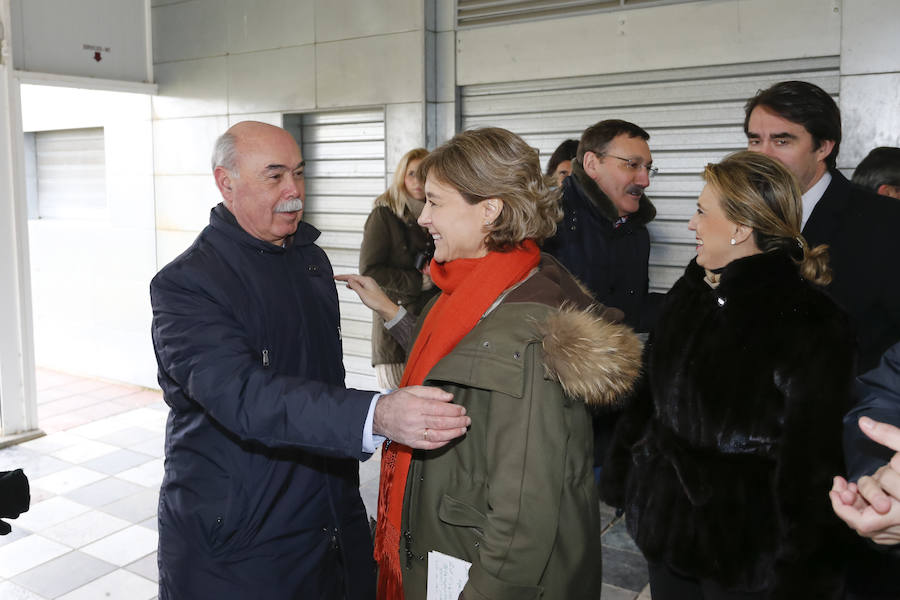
(634,189)
(292,205)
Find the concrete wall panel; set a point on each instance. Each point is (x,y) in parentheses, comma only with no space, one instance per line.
(193,29)
(374,70)
(184,146)
(681,35)
(406,124)
(871,37)
(183,201)
(191,88)
(273,80)
(870,114)
(268,24)
(346,19)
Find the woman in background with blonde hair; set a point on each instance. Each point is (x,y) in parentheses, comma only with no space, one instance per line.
(395,250)
(724,458)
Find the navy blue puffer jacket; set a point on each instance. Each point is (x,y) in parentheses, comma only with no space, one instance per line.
(260,497)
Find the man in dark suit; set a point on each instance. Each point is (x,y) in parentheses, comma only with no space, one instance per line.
(799,124)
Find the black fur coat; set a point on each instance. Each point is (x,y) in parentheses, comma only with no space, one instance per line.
(724,459)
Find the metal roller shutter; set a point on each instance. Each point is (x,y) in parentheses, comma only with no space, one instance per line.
(71,174)
(345,172)
(693,115)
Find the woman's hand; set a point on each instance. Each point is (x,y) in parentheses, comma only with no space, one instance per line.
(371,295)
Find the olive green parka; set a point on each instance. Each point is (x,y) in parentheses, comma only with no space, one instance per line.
(516,495)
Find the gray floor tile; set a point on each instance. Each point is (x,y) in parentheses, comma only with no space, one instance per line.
(118,585)
(129,436)
(607,515)
(41,465)
(617,537)
(85,528)
(11,591)
(124,547)
(151,523)
(13,457)
(369,493)
(146,567)
(136,508)
(118,461)
(63,574)
(153,447)
(105,491)
(624,569)
(28,553)
(17,533)
(611,592)
(50,512)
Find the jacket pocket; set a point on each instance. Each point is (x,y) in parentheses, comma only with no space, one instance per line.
(453,511)
(216,515)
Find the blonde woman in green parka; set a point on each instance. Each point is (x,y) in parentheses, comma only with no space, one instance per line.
(515,497)
(393,243)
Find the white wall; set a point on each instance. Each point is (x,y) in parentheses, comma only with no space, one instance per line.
(90,277)
(865,33)
(61,37)
(18,406)
(870,78)
(221,61)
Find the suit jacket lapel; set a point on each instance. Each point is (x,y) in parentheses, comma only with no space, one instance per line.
(827,215)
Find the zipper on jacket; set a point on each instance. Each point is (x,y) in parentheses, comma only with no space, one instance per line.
(265,357)
(414,476)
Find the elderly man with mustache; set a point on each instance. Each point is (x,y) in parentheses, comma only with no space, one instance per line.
(260,497)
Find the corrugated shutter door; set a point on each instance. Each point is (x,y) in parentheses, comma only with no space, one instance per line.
(345,172)
(71,174)
(694,116)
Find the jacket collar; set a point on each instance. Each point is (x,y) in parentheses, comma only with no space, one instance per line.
(588,188)
(221,219)
(768,269)
(826,216)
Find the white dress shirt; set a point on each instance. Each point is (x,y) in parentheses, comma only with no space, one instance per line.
(813,195)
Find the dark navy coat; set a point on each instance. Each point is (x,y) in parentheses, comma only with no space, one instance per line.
(612,262)
(879,393)
(860,228)
(260,497)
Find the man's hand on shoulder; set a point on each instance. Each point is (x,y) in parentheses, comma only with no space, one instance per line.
(419,417)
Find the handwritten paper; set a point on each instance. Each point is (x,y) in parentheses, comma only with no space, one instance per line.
(447,576)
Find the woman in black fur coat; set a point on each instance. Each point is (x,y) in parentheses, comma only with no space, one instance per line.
(724,459)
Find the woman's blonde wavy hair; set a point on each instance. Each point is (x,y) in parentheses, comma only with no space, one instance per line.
(495,163)
(760,193)
(395,196)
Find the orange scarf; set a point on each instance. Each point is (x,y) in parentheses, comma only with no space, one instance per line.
(469,286)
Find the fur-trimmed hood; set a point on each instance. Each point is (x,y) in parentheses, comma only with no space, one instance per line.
(586,348)
(592,358)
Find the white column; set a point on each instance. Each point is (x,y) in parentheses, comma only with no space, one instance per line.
(18,403)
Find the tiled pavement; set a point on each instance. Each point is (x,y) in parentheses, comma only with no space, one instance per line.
(91,530)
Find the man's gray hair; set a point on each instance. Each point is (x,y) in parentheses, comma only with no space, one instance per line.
(225,153)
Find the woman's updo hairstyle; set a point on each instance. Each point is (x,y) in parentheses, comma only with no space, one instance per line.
(495,163)
(760,193)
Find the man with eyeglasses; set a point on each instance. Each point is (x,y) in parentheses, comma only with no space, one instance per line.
(603,238)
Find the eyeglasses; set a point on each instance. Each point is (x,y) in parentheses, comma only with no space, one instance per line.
(631,165)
